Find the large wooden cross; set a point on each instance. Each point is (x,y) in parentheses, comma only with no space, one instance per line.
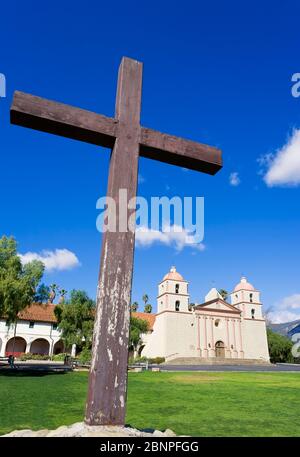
(128,140)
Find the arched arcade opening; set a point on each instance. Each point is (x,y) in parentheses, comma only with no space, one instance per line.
(40,346)
(15,346)
(59,347)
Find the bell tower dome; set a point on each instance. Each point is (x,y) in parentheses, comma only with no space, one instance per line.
(247,299)
(173,293)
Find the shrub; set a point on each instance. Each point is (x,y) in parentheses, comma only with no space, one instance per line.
(59,357)
(85,356)
(140,359)
(24,357)
(30,356)
(280,348)
(157,360)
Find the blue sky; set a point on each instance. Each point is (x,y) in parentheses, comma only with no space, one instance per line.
(215,72)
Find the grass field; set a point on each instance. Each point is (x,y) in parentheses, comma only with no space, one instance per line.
(198,404)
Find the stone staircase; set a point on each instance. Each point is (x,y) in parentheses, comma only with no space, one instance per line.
(213,361)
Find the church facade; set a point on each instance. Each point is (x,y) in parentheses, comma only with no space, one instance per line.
(211,332)
(215,330)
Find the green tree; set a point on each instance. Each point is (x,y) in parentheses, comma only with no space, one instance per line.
(18,282)
(148,308)
(42,294)
(137,328)
(134,307)
(76,319)
(280,347)
(223,293)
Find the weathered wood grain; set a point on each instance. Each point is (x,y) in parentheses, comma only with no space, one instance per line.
(178,151)
(108,374)
(71,122)
(64,120)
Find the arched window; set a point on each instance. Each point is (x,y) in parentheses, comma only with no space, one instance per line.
(251,298)
(177,288)
(177,305)
(253,313)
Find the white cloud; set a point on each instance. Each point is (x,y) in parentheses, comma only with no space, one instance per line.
(283,167)
(173,236)
(59,259)
(288,309)
(265,160)
(234,179)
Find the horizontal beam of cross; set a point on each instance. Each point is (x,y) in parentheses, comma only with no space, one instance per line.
(79,124)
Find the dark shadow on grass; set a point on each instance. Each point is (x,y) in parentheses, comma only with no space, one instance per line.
(29,371)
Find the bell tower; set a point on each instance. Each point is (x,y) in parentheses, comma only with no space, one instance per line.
(173,293)
(246,298)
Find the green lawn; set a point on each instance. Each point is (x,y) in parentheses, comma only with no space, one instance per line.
(199,404)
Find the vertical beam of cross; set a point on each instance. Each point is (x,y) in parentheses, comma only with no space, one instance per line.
(108,373)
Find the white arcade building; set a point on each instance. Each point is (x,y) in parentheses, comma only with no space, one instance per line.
(211,331)
(35,332)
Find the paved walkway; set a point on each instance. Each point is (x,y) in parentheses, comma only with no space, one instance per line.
(271,368)
(44,368)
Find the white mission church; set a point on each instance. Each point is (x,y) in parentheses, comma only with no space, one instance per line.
(209,332)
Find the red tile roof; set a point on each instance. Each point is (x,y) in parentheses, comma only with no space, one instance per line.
(150,318)
(40,312)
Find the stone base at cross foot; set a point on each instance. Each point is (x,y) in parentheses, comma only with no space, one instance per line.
(80,429)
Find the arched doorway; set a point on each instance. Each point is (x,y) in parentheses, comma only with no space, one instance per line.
(15,346)
(220,349)
(40,346)
(59,347)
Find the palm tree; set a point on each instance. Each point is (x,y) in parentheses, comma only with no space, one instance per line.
(134,307)
(223,293)
(53,290)
(148,308)
(63,293)
(145,299)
